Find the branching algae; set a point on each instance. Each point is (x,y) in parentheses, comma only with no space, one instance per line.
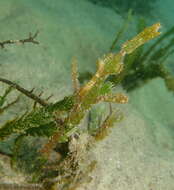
(145,63)
(60,121)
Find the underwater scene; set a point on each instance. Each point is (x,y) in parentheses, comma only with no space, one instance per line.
(86,95)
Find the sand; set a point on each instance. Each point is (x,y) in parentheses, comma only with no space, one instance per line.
(139,152)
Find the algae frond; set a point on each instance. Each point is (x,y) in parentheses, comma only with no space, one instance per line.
(62,159)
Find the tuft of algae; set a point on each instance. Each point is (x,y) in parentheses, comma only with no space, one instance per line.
(62,160)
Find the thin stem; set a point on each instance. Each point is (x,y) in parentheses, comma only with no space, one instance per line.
(30,39)
(24,91)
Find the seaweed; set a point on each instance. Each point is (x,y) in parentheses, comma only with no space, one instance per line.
(146,63)
(3,100)
(62,160)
